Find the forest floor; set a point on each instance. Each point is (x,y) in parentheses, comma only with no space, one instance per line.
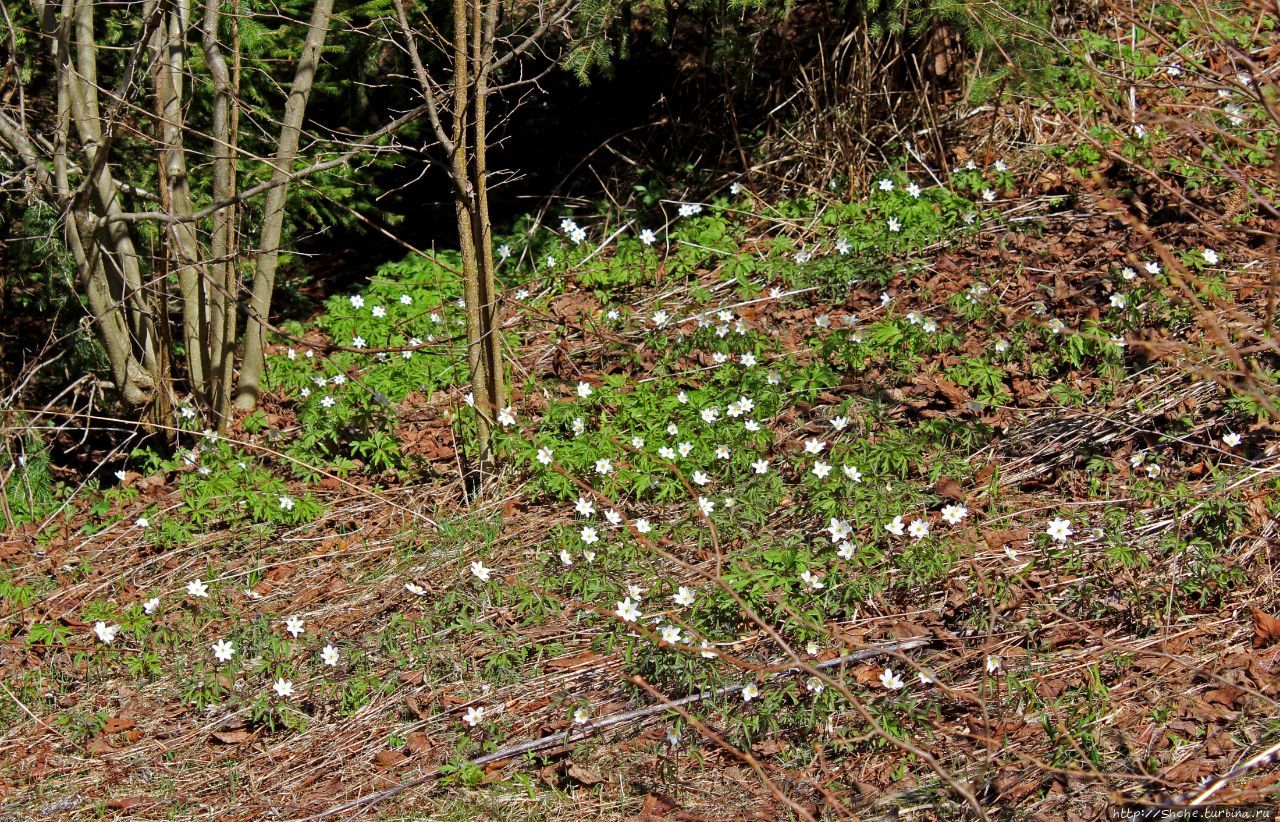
(948,503)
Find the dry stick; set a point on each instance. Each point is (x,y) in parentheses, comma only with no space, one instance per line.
(743,756)
(580,733)
(1253,762)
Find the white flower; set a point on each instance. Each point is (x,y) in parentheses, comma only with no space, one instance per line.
(1231,439)
(474,716)
(993,664)
(544,455)
(283,688)
(1057,326)
(846,549)
(673,429)
(106,633)
(581,716)
(150,606)
(821,469)
(842,246)
(223,650)
(647,236)
(896,527)
(627,610)
(1153,470)
(735,189)
(589,535)
(988,195)
(328,402)
(479,571)
(814,446)
(1153,267)
(522,294)
(1001,346)
(852,472)
(584,390)
(507,416)
(566,558)
(1119,301)
(886,184)
(750,692)
(890,680)
(839,423)
(925,679)
(614,517)
(812,648)
(589,556)
(504,251)
(578,426)
(405,299)
(415,589)
(551,261)
(814,685)
(196,588)
(685,448)
(329,656)
(1128,273)
(673,737)
(339,379)
(918,528)
(670,634)
(710,414)
(706,506)
(667,453)
(773,378)
(751,425)
(378,311)
(760,466)
(295,626)
(286,503)
(722,452)
(683,597)
(823,321)
(690,209)
(894,225)
(356,301)
(660,318)
(1136,459)
(643,526)
(1210,256)
(604,466)
(682,397)
(700,478)
(1000,166)
(811,580)
(839,529)
(914,191)
(953,514)
(142,522)
(357,342)
(1059,529)
(612,314)
(637,443)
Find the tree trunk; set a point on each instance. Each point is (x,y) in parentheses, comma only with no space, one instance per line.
(268,257)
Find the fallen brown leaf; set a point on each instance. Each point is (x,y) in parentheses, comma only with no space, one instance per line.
(1265,627)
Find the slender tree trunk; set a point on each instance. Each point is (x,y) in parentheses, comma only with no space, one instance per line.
(465,209)
(268,256)
(485,24)
(121,263)
(224,279)
(171,47)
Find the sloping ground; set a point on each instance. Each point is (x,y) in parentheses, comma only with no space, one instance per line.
(963,439)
